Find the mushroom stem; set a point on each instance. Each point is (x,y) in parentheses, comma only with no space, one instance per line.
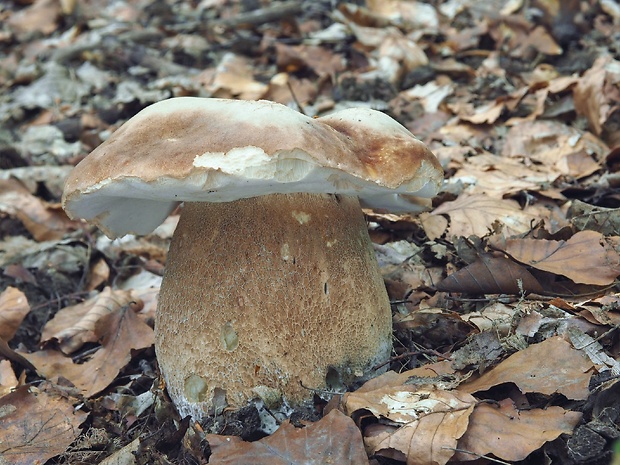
(265,294)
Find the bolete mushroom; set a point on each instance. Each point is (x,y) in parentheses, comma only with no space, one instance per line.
(271,286)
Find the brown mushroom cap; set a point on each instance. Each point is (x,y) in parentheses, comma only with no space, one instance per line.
(197,149)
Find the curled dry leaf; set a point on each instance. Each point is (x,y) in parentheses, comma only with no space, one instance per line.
(549,367)
(430,420)
(587,257)
(36,425)
(491,274)
(120,332)
(73,326)
(44,221)
(13,308)
(512,434)
(333,439)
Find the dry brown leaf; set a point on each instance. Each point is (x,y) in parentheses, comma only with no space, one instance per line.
(550,367)
(476,215)
(559,148)
(491,275)
(324,62)
(13,308)
(120,332)
(73,326)
(431,420)
(44,221)
(408,15)
(434,226)
(594,93)
(36,426)
(512,434)
(499,176)
(8,380)
(41,16)
(333,439)
(485,114)
(234,77)
(586,258)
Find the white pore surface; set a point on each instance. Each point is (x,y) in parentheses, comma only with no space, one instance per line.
(132,206)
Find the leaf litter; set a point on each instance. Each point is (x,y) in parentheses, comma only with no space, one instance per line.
(505,294)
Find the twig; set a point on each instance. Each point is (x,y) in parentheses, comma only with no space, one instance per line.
(299,106)
(430,352)
(477,455)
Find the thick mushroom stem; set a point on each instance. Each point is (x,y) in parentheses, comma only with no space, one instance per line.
(265,294)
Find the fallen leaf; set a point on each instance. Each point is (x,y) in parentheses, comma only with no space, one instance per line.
(550,367)
(41,15)
(585,258)
(75,325)
(234,77)
(44,221)
(120,333)
(36,426)
(594,92)
(8,380)
(431,420)
(491,274)
(512,434)
(475,215)
(557,147)
(333,439)
(13,308)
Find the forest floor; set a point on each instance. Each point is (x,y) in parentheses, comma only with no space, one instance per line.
(505,294)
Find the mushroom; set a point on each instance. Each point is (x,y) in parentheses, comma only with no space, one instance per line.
(271,288)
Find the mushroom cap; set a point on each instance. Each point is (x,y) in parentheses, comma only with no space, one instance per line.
(216,150)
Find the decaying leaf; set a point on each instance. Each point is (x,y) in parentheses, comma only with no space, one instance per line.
(549,367)
(36,425)
(586,258)
(511,434)
(604,220)
(430,421)
(333,439)
(594,350)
